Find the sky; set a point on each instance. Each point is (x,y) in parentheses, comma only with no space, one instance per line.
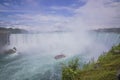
(52,15)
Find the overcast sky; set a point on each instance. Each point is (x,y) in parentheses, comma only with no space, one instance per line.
(60,14)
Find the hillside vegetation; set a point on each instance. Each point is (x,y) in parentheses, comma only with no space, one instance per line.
(107,67)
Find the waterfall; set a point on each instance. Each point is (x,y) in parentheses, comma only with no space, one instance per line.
(100,43)
(108,39)
(37,51)
(65,43)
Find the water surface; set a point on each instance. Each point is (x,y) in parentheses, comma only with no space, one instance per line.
(34,59)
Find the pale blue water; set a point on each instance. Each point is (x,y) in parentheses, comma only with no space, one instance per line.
(34,59)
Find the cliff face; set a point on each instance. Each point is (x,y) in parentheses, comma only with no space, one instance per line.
(4,40)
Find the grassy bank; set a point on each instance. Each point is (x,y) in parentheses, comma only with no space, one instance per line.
(107,67)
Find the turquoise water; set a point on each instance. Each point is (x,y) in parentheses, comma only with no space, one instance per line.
(34,59)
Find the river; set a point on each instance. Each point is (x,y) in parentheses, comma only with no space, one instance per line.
(34,59)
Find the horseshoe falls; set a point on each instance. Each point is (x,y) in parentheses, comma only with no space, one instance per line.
(35,60)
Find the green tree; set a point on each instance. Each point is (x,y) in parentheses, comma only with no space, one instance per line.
(70,71)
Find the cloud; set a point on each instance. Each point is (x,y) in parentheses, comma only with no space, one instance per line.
(2,7)
(62,8)
(39,22)
(99,13)
(8,10)
(94,14)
